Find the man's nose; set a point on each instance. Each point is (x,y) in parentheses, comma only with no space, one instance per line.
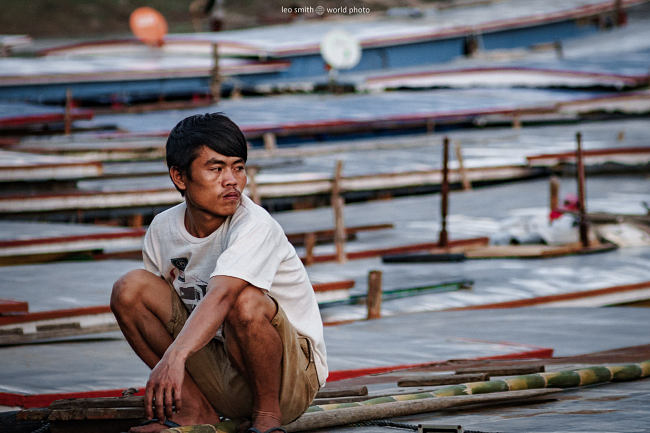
(229,177)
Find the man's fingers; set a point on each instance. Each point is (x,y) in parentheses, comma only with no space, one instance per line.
(148,397)
(178,399)
(160,403)
(168,402)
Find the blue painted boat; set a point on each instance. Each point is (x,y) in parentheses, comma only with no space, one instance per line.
(290,52)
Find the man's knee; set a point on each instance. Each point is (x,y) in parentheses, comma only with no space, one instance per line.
(251,306)
(127,290)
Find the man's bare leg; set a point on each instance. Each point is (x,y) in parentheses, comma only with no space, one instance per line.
(255,348)
(141,303)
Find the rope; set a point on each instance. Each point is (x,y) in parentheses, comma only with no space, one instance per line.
(405,426)
(45,428)
(386,423)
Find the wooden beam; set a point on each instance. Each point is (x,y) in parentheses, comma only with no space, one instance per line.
(441,379)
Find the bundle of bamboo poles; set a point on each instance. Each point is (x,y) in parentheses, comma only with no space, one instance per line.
(491,391)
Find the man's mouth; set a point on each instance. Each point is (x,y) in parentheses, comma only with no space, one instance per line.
(233,195)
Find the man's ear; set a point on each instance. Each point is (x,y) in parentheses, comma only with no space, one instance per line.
(178,178)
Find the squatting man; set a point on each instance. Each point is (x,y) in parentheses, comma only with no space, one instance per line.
(223,313)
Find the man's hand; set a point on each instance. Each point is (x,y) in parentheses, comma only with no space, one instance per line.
(164,386)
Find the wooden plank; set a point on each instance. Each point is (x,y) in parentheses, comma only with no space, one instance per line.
(624,155)
(534,251)
(35,414)
(322,236)
(54,314)
(556,298)
(503,370)
(334,285)
(98,402)
(426,246)
(520,251)
(342,392)
(442,379)
(11,306)
(71,331)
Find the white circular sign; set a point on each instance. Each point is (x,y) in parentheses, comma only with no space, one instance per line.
(340,49)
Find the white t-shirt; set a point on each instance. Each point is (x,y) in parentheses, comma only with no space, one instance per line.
(249,245)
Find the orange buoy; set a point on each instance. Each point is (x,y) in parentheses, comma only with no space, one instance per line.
(148,25)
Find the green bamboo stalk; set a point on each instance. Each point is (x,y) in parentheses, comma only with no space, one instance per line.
(556,379)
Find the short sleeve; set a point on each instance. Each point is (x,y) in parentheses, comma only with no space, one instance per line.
(149,254)
(253,253)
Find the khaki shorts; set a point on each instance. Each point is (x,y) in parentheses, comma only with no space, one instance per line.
(228,391)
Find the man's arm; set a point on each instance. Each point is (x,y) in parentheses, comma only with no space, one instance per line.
(166,379)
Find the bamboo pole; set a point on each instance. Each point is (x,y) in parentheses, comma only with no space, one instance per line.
(557,379)
(582,211)
(461,167)
(443,240)
(488,392)
(337,205)
(373,300)
(313,421)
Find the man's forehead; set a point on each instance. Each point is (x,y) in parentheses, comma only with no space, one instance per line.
(207,154)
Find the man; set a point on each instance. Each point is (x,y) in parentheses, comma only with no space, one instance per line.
(224,313)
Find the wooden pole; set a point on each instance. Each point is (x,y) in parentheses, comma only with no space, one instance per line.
(136,220)
(338,204)
(441,379)
(310,242)
(373,299)
(270,142)
(252,185)
(443,240)
(215,79)
(461,167)
(620,16)
(431,126)
(67,115)
(344,416)
(580,172)
(554,187)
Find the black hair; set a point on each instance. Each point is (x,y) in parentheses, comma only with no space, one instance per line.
(213,130)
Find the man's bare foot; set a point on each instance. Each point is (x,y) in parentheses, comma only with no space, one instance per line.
(263,421)
(156,426)
(149,427)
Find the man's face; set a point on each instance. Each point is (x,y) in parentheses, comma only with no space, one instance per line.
(215,183)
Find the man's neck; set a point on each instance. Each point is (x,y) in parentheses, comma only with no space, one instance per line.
(201,224)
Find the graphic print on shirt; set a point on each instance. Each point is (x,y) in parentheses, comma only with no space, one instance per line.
(190,289)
